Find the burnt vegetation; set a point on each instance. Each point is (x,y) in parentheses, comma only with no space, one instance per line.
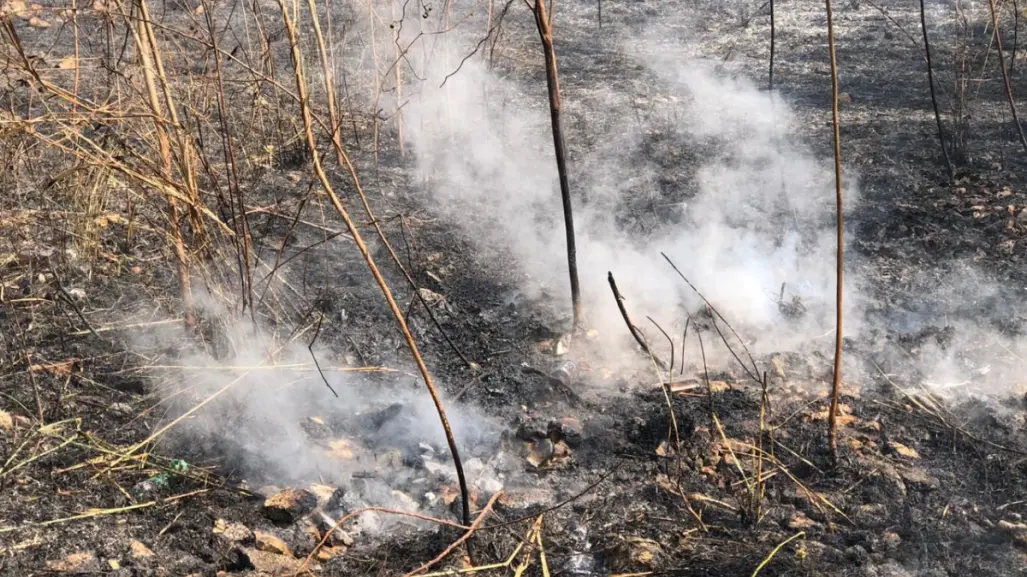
(280,292)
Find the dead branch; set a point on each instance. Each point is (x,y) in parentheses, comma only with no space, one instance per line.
(635,331)
(467,535)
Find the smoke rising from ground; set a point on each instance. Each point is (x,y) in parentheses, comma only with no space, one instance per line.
(687,159)
(758,211)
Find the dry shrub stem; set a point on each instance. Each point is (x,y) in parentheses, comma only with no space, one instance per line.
(1005,74)
(934,97)
(832,434)
(545,32)
(308,127)
(635,331)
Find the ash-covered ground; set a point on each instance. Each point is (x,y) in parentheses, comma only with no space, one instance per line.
(130,449)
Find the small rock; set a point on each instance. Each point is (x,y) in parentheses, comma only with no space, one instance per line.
(338,536)
(139,551)
(270,544)
(541,452)
(903,450)
(328,497)
(75,563)
(568,429)
(919,479)
(404,502)
(234,532)
(530,430)
(289,505)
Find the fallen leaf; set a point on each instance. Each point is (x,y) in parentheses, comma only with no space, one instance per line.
(341,448)
(903,450)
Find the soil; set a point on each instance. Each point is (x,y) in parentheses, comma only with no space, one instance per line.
(921,487)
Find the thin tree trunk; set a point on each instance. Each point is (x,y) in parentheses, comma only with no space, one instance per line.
(545,31)
(934,98)
(832,435)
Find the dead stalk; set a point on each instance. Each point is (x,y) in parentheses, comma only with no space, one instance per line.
(545,31)
(174,225)
(634,330)
(237,202)
(832,435)
(1005,74)
(308,127)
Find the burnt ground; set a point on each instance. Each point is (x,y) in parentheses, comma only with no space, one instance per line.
(923,487)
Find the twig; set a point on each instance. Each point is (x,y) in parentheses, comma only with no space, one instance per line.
(684,339)
(310,347)
(775,552)
(563,503)
(670,370)
(706,372)
(714,310)
(71,302)
(338,524)
(635,331)
(467,535)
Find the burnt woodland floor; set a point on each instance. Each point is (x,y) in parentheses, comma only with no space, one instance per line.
(922,487)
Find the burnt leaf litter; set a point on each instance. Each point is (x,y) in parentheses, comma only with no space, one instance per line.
(622,484)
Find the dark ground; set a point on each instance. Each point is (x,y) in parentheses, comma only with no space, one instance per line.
(951,506)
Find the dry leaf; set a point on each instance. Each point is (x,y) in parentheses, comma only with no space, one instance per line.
(340,448)
(903,450)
